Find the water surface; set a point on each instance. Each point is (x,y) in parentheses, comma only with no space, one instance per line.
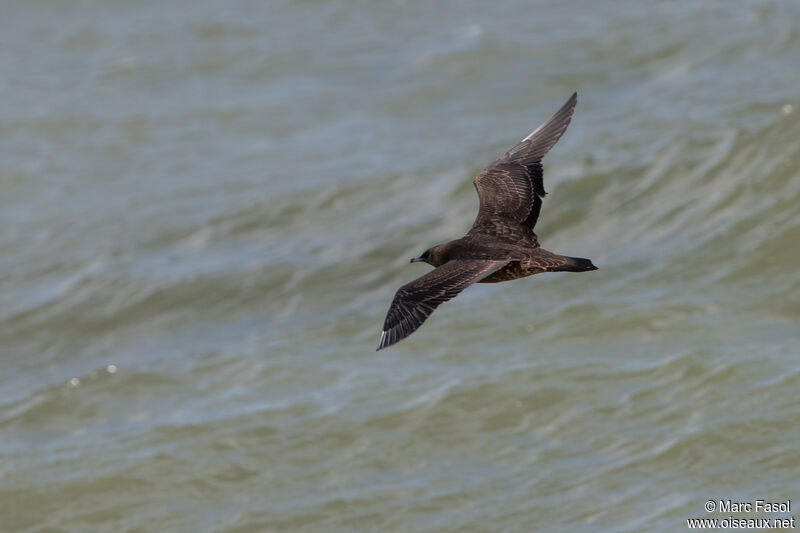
(206,207)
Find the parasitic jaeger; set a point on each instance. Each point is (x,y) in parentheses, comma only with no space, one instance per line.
(501,244)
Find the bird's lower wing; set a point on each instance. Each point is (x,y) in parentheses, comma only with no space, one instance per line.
(415,301)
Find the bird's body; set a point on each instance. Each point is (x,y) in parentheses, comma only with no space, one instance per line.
(500,246)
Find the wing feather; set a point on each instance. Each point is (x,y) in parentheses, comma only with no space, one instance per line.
(414,302)
(511,189)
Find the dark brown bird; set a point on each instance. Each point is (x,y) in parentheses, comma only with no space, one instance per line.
(501,244)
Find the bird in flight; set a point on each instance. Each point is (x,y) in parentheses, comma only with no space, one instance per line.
(501,244)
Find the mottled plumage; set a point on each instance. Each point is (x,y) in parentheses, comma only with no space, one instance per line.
(501,244)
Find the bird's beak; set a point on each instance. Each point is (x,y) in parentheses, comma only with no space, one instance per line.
(417,260)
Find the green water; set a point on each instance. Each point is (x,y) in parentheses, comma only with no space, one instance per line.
(206,207)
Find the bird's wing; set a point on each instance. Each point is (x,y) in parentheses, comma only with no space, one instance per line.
(415,301)
(511,189)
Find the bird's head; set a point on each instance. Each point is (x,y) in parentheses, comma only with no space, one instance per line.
(433,256)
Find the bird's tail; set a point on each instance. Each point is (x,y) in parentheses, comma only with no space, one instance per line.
(574,264)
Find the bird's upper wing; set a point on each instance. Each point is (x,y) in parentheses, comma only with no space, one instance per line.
(511,189)
(415,301)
